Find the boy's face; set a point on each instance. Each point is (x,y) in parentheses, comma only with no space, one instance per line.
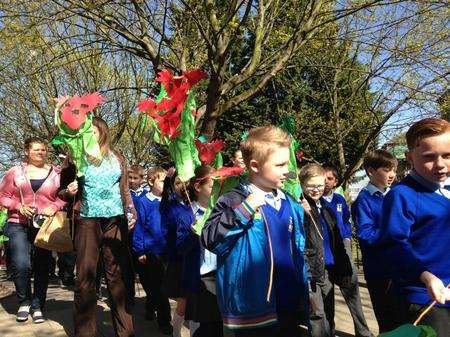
(330,182)
(134,180)
(272,173)
(157,184)
(382,177)
(314,187)
(431,158)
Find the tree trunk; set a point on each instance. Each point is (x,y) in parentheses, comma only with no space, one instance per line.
(212,108)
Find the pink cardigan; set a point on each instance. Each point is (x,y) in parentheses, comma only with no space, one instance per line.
(45,196)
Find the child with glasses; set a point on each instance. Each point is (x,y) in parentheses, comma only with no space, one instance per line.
(325,253)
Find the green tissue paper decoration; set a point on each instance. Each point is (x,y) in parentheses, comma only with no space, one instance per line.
(409,330)
(3,219)
(292,184)
(182,148)
(79,142)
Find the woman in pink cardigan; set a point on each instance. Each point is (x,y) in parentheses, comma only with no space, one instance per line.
(30,193)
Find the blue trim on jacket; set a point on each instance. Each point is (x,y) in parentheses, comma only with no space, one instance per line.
(239,238)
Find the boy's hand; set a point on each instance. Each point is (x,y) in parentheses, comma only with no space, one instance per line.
(435,287)
(131,224)
(255,201)
(142,259)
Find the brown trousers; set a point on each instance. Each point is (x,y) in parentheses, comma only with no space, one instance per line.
(104,238)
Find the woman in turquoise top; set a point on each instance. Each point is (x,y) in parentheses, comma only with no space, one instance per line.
(106,211)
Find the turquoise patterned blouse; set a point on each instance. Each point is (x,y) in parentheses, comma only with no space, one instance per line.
(101,194)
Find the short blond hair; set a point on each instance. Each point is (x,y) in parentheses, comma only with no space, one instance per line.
(137,169)
(155,172)
(262,141)
(310,171)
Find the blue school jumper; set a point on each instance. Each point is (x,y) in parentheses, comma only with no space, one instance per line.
(137,195)
(182,243)
(341,212)
(415,234)
(149,237)
(366,213)
(287,284)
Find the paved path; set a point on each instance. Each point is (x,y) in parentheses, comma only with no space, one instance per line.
(59,314)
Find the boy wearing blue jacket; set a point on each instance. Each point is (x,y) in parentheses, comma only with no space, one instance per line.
(149,245)
(381,167)
(135,181)
(415,224)
(256,231)
(337,204)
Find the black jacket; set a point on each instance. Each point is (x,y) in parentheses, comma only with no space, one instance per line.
(314,246)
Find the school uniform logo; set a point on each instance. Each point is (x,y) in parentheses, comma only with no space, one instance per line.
(291,225)
(339,207)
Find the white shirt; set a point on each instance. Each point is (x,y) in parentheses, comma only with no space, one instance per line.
(271,198)
(208,260)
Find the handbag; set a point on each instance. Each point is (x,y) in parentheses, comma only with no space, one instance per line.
(54,231)
(54,234)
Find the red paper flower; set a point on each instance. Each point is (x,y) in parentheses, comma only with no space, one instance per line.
(148,106)
(299,155)
(194,76)
(207,151)
(74,111)
(168,111)
(169,82)
(225,172)
(168,124)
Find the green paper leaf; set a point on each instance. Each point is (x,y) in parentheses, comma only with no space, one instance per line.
(409,330)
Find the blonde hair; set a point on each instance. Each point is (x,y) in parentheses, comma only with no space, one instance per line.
(310,171)
(154,173)
(137,169)
(261,142)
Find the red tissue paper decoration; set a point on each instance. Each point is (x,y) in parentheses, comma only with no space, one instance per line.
(207,151)
(225,172)
(75,109)
(299,155)
(168,111)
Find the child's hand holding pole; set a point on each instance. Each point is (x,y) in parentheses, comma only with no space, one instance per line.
(435,287)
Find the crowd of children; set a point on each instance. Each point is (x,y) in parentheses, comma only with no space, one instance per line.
(265,264)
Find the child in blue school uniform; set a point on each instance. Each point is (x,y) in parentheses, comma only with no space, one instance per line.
(135,182)
(201,305)
(256,231)
(415,224)
(380,167)
(183,246)
(337,204)
(328,261)
(149,247)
